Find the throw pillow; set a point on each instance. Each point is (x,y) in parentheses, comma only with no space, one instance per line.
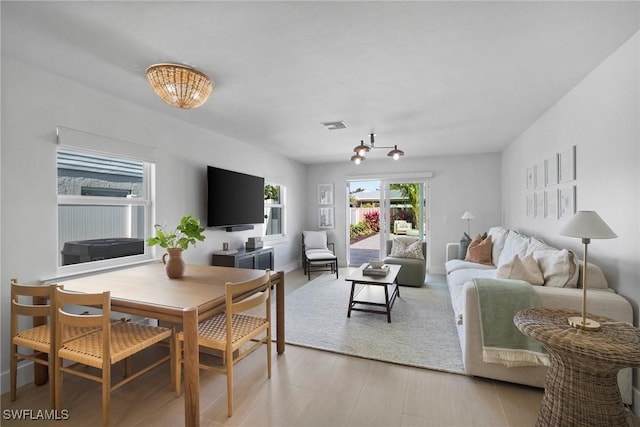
(498,237)
(559,268)
(526,269)
(404,249)
(515,243)
(315,239)
(463,246)
(479,250)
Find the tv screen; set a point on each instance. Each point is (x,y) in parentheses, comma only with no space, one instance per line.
(234,198)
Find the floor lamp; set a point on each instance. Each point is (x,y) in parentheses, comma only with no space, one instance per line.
(468,216)
(586,225)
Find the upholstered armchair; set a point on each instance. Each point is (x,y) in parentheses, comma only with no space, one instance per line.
(317,253)
(414,270)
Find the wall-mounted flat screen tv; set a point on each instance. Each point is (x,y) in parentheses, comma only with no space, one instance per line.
(234,198)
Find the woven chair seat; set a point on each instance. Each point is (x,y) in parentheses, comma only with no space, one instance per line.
(127,338)
(213,332)
(39,338)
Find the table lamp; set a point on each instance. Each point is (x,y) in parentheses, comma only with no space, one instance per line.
(468,216)
(587,225)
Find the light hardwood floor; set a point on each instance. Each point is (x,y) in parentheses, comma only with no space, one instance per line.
(307,388)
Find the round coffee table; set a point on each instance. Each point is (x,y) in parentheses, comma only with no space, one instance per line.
(581,387)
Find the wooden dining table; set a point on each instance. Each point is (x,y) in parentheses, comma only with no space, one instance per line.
(147,291)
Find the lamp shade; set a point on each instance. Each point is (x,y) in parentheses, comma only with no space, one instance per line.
(468,215)
(587,225)
(179,85)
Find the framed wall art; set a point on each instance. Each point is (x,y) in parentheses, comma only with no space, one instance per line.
(325,194)
(531,205)
(325,217)
(540,175)
(567,165)
(539,197)
(551,203)
(567,202)
(531,178)
(551,169)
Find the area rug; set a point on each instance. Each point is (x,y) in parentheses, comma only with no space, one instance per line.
(422,331)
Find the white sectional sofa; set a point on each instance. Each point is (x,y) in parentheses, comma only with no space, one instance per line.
(561,270)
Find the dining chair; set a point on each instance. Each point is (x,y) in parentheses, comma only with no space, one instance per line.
(235,333)
(31,301)
(109,344)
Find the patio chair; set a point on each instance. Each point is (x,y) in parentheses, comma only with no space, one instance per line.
(317,253)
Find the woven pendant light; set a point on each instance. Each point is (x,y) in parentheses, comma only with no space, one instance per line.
(179,85)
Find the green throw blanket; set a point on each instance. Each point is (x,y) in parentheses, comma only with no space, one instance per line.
(502,342)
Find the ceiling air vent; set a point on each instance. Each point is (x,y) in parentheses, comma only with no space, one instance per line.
(335,125)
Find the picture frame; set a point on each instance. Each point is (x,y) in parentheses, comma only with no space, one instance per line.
(551,168)
(531,178)
(326,217)
(540,175)
(551,203)
(539,198)
(325,194)
(567,206)
(531,205)
(567,165)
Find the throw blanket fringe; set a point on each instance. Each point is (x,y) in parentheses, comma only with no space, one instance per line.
(511,358)
(502,342)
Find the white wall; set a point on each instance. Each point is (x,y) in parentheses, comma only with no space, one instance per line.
(601,116)
(34,102)
(459,183)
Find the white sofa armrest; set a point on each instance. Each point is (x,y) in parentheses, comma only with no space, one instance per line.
(601,302)
(452,251)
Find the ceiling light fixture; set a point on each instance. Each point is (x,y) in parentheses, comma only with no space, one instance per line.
(363,149)
(179,85)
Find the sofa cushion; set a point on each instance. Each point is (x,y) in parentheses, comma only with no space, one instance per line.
(407,248)
(515,243)
(460,264)
(559,268)
(463,246)
(538,245)
(595,277)
(498,237)
(315,239)
(526,269)
(479,250)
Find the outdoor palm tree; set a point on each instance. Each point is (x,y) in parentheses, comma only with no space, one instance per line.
(411,192)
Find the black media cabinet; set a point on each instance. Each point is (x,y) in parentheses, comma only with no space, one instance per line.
(257,259)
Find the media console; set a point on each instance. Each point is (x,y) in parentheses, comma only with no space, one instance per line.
(258,259)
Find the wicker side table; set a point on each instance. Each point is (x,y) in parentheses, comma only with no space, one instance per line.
(581,387)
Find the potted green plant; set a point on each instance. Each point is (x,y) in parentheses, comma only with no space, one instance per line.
(271,193)
(188,232)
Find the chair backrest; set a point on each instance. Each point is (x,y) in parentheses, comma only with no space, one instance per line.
(66,319)
(243,296)
(314,240)
(424,248)
(39,304)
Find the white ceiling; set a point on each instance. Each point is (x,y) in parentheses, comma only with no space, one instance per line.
(435,78)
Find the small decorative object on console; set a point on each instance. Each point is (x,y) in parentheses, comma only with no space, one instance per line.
(254,243)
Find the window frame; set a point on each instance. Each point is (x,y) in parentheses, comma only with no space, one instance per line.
(147,200)
(282,205)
